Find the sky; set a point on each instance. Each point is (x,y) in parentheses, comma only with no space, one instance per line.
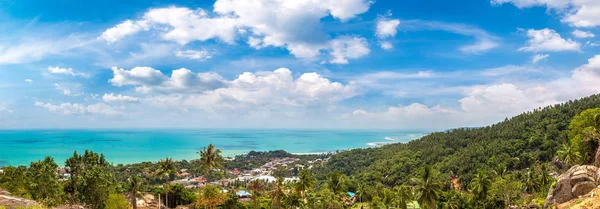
(318,64)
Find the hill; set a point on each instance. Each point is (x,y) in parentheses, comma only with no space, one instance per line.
(513,145)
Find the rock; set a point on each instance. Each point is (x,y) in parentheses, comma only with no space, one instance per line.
(583,188)
(577,181)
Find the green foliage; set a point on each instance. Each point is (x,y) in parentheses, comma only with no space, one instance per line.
(43,182)
(91,179)
(116,201)
(584,132)
(233,202)
(210,196)
(14,180)
(427,189)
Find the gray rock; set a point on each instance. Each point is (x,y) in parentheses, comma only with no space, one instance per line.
(583,188)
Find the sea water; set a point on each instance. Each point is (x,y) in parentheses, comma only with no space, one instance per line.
(20,147)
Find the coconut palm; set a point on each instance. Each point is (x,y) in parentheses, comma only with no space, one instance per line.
(256,188)
(277,194)
(481,184)
(569,154)
(453,202)
(210,158)
(134,183)
(403,196)
(166,167)
(335,182)
(530,183)
(427,189)
(306,181)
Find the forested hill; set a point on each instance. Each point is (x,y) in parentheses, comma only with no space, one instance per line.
(512,145)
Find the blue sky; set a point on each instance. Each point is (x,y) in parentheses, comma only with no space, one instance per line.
(415,65)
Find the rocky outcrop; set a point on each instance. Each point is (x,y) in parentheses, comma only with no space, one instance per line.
(9,201)
(577,181)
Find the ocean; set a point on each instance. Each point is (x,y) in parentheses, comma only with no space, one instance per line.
(20,147)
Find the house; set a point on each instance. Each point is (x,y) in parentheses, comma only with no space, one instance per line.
(243,194)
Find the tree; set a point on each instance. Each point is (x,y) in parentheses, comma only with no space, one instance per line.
(116,201)
(403,196)
(306,181)
(210,158)
(427,189)
(335,182)
(506,189)
(568,154)
(43,182)
(480,185)
(91,179)
(166,167)
(584,134)
(256,188)
(210,197)
(134,184)
(233,202)
(530,183)
(277,193)
(14,180)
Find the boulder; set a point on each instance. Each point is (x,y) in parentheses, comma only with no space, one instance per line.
(577,181)
(583,188)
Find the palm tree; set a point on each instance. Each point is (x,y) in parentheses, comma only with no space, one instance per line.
(256,188)
(481,184)
(134,183)
(306,181)
(277,194)
(427,189)
(360,191)
(403,195)
(530,182)
(569,154)
(210,158)
(210,197)
(166,167)
(336,182)
(453,202)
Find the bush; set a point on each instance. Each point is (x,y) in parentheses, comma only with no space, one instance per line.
(116,201)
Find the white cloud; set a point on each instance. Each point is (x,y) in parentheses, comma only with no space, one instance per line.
(294,25)
(386,27)
(118,98)
(483,40)
(64,71)
(5,109)
(123,29)
(579,13)
(538,57)
(194,54)
(68,89)
(17,52)
(79,109)
(147,79)
(588,75)
(583,34)
(29,81)
(347,47)
(386,45)
(548,40)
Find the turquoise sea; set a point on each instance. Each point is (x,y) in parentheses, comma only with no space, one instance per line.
(20,147)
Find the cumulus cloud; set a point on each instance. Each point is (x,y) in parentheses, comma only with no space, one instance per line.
(294,25)
(123,29)
(252,92)
(583,34)
(579,13)
(548,40)
(485,104)
(64,71)
(118,98)
(386,27)
(539,57)
(194,54)
(147,79)
(79,109)
(348,47)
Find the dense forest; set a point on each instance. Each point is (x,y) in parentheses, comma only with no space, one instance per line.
(511,163)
